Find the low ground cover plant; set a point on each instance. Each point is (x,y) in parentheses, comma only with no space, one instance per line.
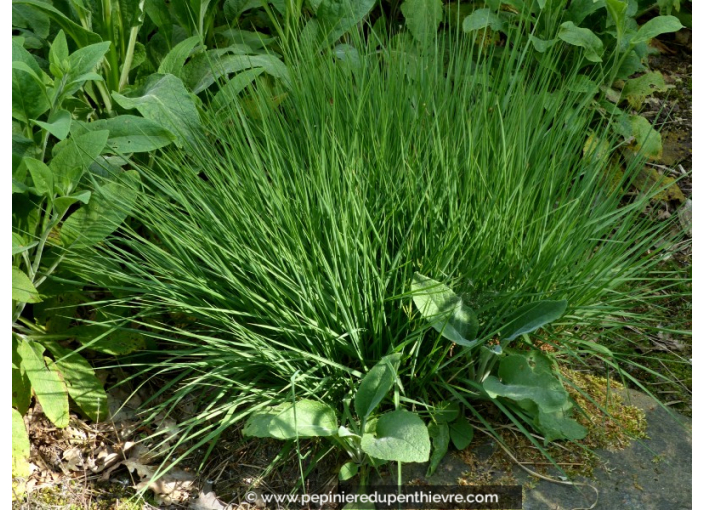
(288,258)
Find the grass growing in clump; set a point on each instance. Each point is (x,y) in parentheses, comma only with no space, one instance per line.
(290,237)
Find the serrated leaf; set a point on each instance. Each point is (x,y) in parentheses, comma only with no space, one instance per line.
(83,386)
(423,19)
(375,385)
(445,311)
(584,38)
(400,436)
(23,289)
(482,18)
(532,316)
(461,433)
(47,384)
(655,27)
(440,436)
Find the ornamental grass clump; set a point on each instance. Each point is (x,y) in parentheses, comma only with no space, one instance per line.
(400,217)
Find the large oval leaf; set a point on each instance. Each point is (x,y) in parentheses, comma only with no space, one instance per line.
(584,38)
(400,436)
(307,418)
(445,311)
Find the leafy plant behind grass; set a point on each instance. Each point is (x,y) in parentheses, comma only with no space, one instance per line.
(291,240)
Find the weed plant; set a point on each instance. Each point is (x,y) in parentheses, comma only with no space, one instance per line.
(276,257)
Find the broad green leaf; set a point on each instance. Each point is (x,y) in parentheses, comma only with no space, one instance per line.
(655,27)
(58,53)
(348,470)
(461,433)
(446,412)
(307,418)
(532,316)
(617,11)
(19,244)
(482,18)
(108,207)
(129,133)
(440,437)
(83,386)
(42,176)
(339,16)
(423,19)
(176,58)
(158,12)
(445,311)
(648,141)
(540,45)
(400,436)
(61,204)
(82,64)
(29,99)
(73,156)
(21,388)
(20,446)
(257,425)
(584,38)
(228,92)
(58,124)
(202,71)
(23,289)
(557,425)
(637,89)
(375,385)
(527,377)
(578,10)
(164,100)
(24,16)
(79,34)
(47,384)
